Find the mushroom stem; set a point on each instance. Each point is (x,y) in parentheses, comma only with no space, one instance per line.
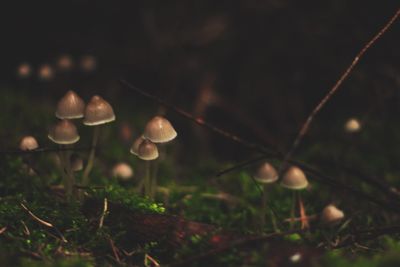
(89,165)
(264,207)
(293,209)
(147,179)
(65,166)
(153,190)
(70,173)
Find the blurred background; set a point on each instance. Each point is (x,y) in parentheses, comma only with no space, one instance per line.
(253,67)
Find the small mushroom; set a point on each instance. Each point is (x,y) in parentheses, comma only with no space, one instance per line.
(70,106)
(24,70)
(159,130)
(352,125)
(28,143)
(98,111)
(65,133)
(295,179)
(65,63)
(265,175)
(122,171)
(45,72)
(148,151)
(331,215)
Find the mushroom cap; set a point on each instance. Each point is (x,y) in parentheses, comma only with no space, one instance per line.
(28,143)
(294,179)
(147,150)
(98,111)
(24,70)
(135,146)
(159,130)
(266,174)
(331,214)
(65,62)
(64,133)
(352,125)
(122,170)
(45,72)
(70,106)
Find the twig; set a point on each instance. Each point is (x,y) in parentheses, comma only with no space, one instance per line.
(151,259)
(105,209)
(26,229)
(114,250)
(304,129)
(44,222)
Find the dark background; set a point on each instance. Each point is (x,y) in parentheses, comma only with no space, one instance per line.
(253,67)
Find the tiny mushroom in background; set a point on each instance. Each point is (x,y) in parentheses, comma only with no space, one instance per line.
(24,70)
(45,72)
(28,143)
(265,175)
(98,111)
(331,215)
(295,179)
(70,106)
(65,133)
(65,63)
(88,63)
(352,125)
(122,171)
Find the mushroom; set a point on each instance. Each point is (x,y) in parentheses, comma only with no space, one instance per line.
(265,175)
(64,133)
(148,151)
(76,162)
(331,215)
(88,63)
(70,106)
(28,143)
(352,125)
(65,63)
(24,70)
(122,171)
(158,130)
(45,72)
(295,179)
(98,111)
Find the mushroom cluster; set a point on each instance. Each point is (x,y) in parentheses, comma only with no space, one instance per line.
(157,131)
(64,133)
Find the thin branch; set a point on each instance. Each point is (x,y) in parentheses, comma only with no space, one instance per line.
(105,209)
(304,129)
(42,150)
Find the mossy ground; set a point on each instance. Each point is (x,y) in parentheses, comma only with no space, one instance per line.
(230,203)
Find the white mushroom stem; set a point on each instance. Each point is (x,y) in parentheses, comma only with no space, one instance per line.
(89,165)
(293,209)
(68,176)
(147,179)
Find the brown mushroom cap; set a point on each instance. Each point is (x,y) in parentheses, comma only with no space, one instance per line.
(135,146)
(147,150)
(76,162)
(294,179)
(331,215)
(28,143)
(266,174)
(70,106)
(64,133)
(98,111)
(159,130)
